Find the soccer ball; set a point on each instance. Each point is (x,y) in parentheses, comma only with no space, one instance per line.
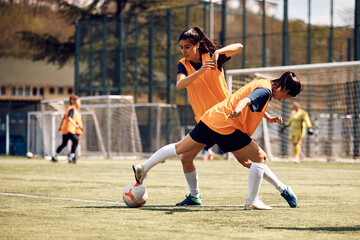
(29,154)
(135,195)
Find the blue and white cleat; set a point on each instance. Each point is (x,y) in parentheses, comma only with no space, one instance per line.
(290,196)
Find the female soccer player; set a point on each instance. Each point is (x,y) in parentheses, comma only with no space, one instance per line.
(71,128)
(230,124)
(201,73)
(299,120)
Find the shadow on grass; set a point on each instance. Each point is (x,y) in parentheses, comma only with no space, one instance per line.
(167,209)
(329,229)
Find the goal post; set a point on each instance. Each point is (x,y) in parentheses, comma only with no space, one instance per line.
(114,127)
(331,96)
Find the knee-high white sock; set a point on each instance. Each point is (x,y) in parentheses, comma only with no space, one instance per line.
(256,174)
(159,156)
(273,180)
(192,180)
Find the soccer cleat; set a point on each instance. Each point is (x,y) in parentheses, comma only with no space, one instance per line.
(139,173)
(190,200)
(256,205)
(53,159)
(290,196)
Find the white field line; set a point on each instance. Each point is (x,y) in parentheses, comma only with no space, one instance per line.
(120,203)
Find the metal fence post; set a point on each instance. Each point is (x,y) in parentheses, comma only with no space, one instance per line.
(77,51)
(243,65)
(119,53)
(223,23)
(331,33)
(7,134)
(136,53)
(285,61)
(168,73)
(263,64)
(104,52)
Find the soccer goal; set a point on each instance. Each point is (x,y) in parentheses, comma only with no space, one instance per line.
(114,127)
(331,96)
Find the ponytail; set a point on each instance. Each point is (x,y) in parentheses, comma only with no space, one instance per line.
(196,35)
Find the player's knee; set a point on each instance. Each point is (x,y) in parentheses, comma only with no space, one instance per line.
(263,158)
(185,160)
(246,163)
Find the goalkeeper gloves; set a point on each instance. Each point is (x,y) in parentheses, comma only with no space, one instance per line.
(310,131)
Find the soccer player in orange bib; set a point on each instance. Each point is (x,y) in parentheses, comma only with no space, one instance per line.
(230,124)
(71,128)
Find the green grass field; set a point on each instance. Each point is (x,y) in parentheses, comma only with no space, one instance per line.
(41,200)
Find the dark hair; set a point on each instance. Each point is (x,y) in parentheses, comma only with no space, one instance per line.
(288,81)
(72,99)
(196,35)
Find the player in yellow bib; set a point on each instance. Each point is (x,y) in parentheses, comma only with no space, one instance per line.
(230,124)
(299,121)
(71,128)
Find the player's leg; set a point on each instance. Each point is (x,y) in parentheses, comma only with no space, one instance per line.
(285,191)
(171,150)
(258,157)
(75,142)
(206,154)
(191,176)
(65,139)
(268,174)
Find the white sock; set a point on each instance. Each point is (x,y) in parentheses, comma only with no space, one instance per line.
(192,180)
(71,157)
(159,156)
(256,174)
(273,180)
(55,154)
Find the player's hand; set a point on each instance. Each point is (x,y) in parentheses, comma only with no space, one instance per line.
(234,114)
(275,119)
(59,129)
(282,129)
(208,65)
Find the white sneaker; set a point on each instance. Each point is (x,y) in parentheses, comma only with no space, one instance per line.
(296,160)
(139,173)
(256,205)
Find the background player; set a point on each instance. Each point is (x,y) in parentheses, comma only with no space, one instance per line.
(71,127)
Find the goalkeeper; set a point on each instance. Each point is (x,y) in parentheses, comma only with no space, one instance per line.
(299,121)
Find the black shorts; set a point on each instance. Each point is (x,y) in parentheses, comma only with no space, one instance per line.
(228,143)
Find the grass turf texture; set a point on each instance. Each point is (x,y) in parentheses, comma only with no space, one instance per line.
(324,191)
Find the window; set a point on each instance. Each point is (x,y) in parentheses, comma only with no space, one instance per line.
(27,91)
(3,90)
(70,90)
(34,91)
(20,91)
(52,90)
(61,90)
(13,91)
(41,91)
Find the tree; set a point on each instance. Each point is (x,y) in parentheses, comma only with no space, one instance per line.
(50,49)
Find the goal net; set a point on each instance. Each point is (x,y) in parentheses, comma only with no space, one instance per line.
(114,127)
(330,95)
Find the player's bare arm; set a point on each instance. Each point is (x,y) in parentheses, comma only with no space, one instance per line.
(271,119)
(240,107)
(183,80)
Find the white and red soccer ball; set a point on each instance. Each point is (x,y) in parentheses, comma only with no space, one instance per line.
(135,195)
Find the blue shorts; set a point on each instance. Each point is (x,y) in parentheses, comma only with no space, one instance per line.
(227,143)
